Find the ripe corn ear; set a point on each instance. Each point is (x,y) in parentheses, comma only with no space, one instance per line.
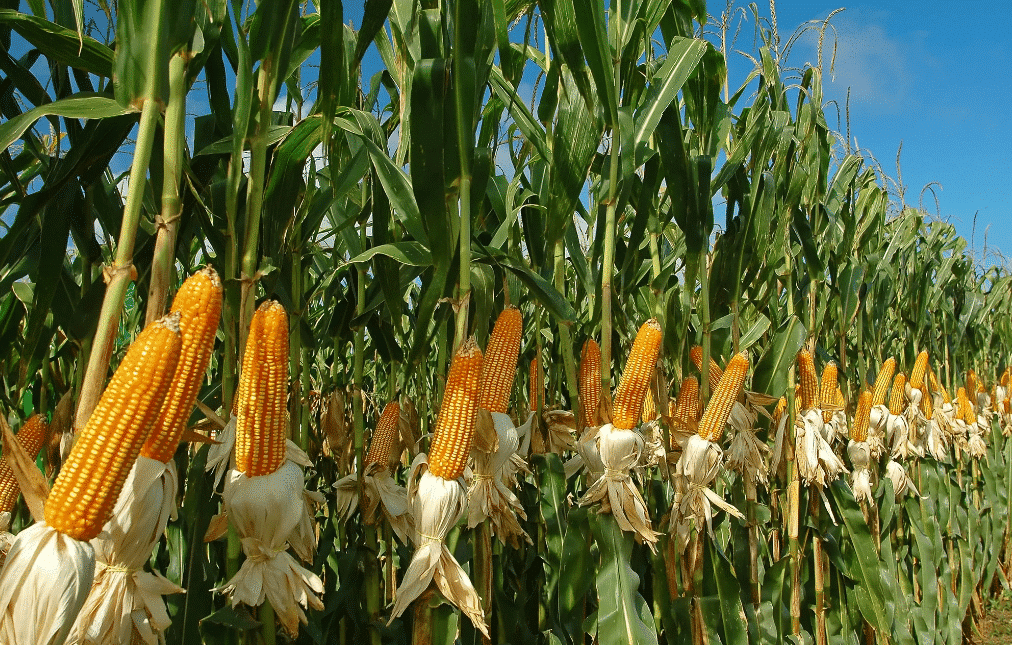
(199,304)
(937,387)
(827,391)
(896,398)
(860,431)
(649,407)
(929,408)
(91,479)
(920,368)
(454,434)
(711,427)
(882,381)
(590,382)
(809,380)
(385,435)
(31,436)
(639,369)
(696,354)
(500,364)
(687,407)
(262,412)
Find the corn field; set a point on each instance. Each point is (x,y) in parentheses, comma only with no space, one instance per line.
(449,321)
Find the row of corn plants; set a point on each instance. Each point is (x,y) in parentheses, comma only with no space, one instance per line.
(391,349)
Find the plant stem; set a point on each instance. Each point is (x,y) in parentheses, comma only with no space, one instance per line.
(565,338)
(268,630)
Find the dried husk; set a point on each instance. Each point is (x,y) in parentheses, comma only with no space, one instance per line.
(817,463)
(381,493)
(488,494)
(977,431)
(902,484)
(43,585)
(695,471)
(746,454)
(436,505)
(220,455)
(271,513)
(860,458)
(587,458)
(620,451)
(125,603)
(878,421)
(917,423)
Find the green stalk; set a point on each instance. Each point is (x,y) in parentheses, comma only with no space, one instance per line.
(120,273)
(818,570)
(565,338)
(794,482)
(268,630)
(704,323)
(295,335)
(465,134)
(483,569)
(162,264)
(266,87)
(608,264)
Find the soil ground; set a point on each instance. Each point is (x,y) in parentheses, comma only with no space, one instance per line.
(997,624)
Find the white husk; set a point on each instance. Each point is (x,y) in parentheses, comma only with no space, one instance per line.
(898,435)
(817,463)
(436,505)
(271,512)
(746,455)
(43,586)
(877,430)
(860,457)
(6,538)
(917,423)
(695,471)
(837,428)
(937,440)
(488,495)
(620,451)
(587,457)
(125,603)
(560,426)
(902,483)
(219,455)
(381,492)
(976,444)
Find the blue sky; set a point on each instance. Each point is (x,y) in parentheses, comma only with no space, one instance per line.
(933,75)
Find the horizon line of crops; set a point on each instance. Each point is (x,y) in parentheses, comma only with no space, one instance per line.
(383,224)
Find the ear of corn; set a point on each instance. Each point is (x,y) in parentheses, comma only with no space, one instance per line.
(385,435)
(896,398)
(262,408)
(973,384)
(639,369)
(91,479)
(711,427)
(778,413)
(965,410)
(454,434)
(696,354)
(537,385)
(882,381)
(649,407)
(937,387)
(809,380)
(500,364)
(31,436)
(687,407)
(199,304)
(861,419)
(920,368)
(590,382)
(929,408)
(827,391)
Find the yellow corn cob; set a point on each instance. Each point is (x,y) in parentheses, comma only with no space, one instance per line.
(590,382)
(31,436)
(649,407)
(711,427)
(896,399)
(454,434)
(965,411)
(385,435)
(920,368)
(537,385)
(809,380)
(199,303)
(827,391)
(860,430)
(687,407)
(639,369)
(926,402)
(500,364)
(91,479)
(840,401)
(262,414)
(882,381)
(696,354)
(778,413)
(937,387)
(973,384)
(1005,377)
